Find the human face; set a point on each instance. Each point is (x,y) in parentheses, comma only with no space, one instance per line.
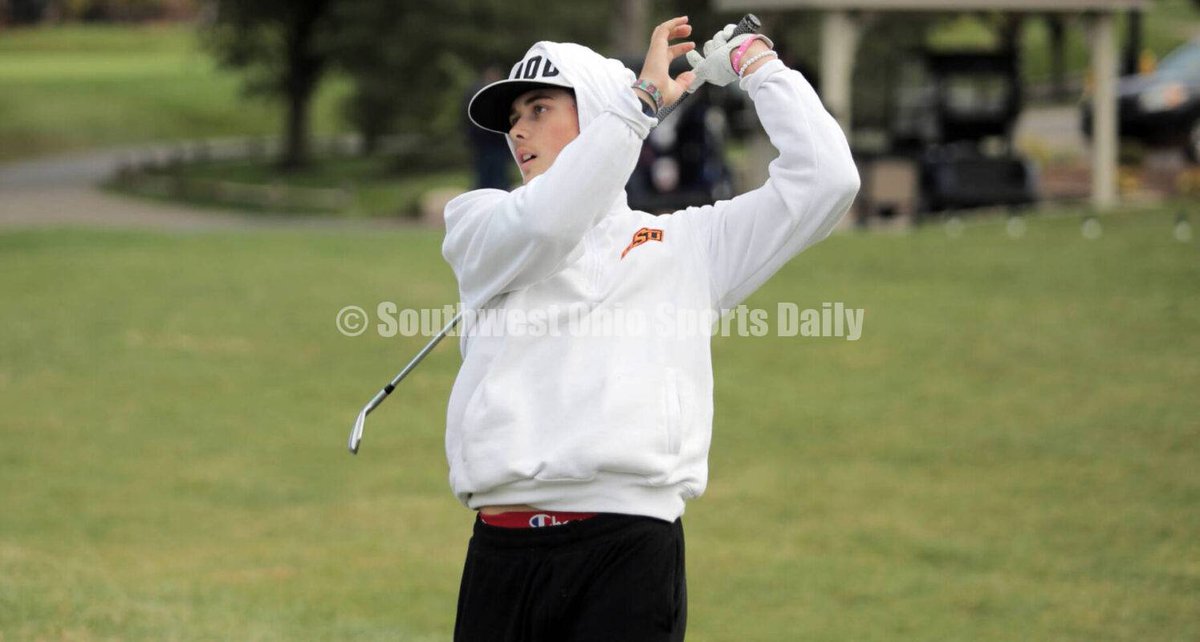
(542,122)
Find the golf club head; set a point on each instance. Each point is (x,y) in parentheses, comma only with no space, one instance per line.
(357,433)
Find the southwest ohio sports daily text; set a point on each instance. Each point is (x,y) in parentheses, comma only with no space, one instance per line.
(667,321)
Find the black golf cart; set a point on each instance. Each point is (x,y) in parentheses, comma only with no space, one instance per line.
(954,118)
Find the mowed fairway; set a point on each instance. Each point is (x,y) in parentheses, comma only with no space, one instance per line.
(1010,452)
(79,87)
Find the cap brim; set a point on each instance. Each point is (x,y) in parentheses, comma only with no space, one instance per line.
(490,107)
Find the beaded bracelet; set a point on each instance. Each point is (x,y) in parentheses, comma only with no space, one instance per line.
(753,59)
(652,91)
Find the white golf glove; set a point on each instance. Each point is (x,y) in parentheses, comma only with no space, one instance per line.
(714,66)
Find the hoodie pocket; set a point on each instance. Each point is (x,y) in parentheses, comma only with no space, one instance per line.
(627,425)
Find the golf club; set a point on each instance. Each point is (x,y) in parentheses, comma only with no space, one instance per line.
(357,434)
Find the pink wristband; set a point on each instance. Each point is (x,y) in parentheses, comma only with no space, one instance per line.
(737,55)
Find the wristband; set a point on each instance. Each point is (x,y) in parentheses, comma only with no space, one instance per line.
(647,108)
(649,88)
(741,51)
(753,59)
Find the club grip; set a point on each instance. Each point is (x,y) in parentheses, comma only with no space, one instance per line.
(748,24)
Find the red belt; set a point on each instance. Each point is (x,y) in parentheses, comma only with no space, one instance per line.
(532,519)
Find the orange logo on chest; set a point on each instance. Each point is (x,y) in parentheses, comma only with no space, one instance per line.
(642,236)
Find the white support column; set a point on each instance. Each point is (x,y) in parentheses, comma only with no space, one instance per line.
(631,25)
(1104,111)
(839,41)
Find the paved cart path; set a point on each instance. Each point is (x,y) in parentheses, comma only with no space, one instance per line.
(63,190)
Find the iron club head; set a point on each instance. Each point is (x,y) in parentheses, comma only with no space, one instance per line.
(357,433)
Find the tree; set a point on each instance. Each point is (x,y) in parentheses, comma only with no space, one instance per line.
(410,62)
(22,11)
(283,45)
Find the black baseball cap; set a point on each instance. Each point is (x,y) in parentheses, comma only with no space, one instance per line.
(491,106)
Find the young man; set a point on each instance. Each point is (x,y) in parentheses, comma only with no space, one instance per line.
(578,449)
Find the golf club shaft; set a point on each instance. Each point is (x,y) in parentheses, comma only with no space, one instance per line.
(387,390)
(356,433)
(748,24)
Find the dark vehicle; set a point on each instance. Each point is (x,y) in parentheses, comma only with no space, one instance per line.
(956,120)
(1163,107)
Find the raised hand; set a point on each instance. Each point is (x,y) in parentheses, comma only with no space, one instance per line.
(658,59)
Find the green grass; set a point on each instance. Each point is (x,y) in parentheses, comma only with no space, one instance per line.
(1009,452)
(76,87)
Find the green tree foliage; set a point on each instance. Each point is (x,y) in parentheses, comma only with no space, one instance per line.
(22,11)
(121,10)
(283,45)
(411,62)
(886,45)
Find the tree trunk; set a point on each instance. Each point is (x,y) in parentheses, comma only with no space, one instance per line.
(1058,65)
(295,150)
(304,66)
(370,141)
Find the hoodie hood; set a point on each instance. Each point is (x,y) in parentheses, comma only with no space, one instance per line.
(598,82)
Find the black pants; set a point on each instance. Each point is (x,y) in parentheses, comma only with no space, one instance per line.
(608,578)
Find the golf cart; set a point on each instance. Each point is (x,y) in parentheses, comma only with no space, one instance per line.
(954,118)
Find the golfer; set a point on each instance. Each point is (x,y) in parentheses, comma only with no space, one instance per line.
(578,448)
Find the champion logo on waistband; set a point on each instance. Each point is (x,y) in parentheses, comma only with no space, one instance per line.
(541,519)
(533,519)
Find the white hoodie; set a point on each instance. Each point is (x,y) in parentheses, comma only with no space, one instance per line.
(619,423)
